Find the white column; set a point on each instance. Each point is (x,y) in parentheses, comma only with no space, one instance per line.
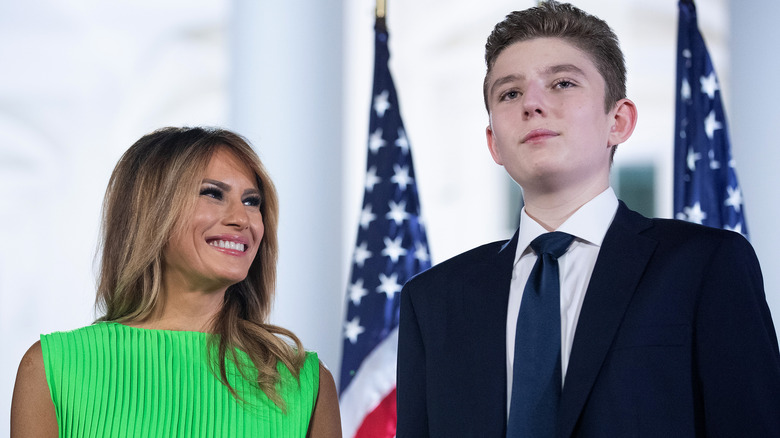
(285,89)
(754,115)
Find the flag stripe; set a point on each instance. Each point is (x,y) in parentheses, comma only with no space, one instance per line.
(374,380)
(380,423)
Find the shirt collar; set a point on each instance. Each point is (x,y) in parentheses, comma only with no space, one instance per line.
(588,224)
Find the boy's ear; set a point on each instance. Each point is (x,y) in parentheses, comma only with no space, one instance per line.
(491,143)
(624,121)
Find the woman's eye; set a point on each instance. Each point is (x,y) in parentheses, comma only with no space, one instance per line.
(211,192)
(564,84)
(252,201)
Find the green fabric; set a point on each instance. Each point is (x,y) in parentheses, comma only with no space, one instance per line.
(111,380)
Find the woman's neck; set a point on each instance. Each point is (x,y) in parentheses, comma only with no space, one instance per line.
(184,310)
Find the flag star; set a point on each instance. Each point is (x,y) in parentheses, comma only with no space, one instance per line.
(366,216)
(357,291)
(381,104)
(421,252)
(714,164)
(372,179)
(397,212)
(402,141)
(352,329)
(362,254)
(709,84)
(692,158)
(736,228)
(734,198)
(389,285)
(685,89)
(375,141)
(711,124)
(393,249)
(401,176)
(695,214)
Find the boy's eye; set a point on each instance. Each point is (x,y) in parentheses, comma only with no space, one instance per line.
(211,192)
(509,95)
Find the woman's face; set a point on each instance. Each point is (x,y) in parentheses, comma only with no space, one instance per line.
(216,246)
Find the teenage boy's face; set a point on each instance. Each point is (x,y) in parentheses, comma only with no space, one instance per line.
(548,127)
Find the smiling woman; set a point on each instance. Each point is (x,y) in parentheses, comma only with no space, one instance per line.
(187,279)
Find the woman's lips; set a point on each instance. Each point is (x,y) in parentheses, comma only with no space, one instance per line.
(229,243)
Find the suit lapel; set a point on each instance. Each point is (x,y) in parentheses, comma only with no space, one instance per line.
(487,310)
(619,267)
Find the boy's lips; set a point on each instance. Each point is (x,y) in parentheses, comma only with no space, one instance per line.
(538,135)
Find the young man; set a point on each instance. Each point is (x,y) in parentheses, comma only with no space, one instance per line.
(658,327)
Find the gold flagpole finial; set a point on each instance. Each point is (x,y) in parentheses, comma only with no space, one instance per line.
(381,8)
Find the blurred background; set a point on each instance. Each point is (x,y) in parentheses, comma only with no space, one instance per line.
(80,82)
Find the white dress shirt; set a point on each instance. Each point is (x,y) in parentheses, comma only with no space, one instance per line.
(588,225)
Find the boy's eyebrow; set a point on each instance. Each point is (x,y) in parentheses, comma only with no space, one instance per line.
(503,80)
(551,70)
(564,68)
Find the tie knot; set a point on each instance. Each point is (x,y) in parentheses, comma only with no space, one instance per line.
(555,243)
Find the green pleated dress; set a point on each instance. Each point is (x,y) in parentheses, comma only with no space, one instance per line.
(111,380)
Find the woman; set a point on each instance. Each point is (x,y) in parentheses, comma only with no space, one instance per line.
(187,279)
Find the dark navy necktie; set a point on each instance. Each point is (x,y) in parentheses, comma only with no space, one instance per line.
(536,381)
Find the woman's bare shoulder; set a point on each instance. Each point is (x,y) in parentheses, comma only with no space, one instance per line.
(326,420)
(32,411)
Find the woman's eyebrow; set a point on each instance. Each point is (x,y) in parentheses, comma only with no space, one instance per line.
(226,187)
(219,184)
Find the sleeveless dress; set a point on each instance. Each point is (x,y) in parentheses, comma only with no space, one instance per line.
(111,380)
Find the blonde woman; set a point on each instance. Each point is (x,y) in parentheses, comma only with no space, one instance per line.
(187,279)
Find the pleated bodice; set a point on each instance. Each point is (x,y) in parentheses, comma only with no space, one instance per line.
(111,380)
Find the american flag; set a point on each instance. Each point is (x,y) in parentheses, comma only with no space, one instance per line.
(391,248)
(705,182)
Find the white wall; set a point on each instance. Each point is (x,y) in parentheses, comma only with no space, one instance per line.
(79,83)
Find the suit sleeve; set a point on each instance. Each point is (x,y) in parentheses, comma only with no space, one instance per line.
(410,385)
(737,354)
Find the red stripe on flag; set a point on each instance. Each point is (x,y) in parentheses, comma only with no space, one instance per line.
(380,423)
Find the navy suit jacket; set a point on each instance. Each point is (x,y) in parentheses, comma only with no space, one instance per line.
(674,339)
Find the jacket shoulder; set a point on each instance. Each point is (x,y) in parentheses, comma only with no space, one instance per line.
(685,233)
(677,233)
(458,267)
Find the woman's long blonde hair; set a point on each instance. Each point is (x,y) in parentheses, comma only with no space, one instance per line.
(152,191)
